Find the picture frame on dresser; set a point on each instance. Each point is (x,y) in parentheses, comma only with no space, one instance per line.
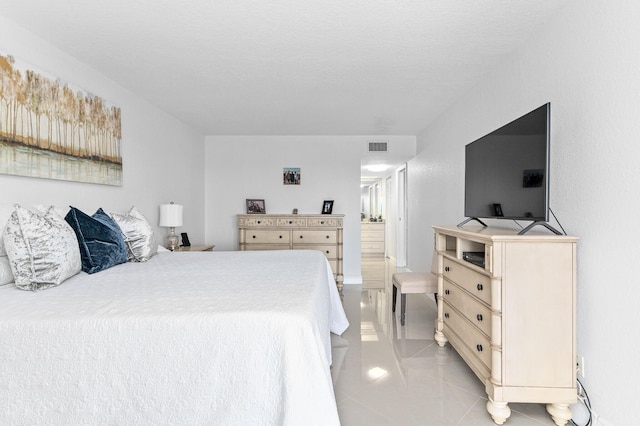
(256,206)
(327,207)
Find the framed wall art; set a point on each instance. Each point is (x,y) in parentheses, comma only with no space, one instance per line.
(50,130)
(291,176)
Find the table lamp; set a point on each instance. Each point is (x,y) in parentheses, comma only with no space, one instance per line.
(171,217)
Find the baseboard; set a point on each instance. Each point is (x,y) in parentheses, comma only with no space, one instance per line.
(602,422)
(352,280)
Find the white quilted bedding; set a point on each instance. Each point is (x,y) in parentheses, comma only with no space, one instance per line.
(222,338)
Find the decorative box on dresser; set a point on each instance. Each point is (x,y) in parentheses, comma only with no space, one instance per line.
(295,231)
(513,320)
(372,237)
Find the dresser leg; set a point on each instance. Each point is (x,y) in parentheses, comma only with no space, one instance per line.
(439,337)
(499,411)
(560,413)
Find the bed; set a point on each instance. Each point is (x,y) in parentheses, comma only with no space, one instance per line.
(225,338)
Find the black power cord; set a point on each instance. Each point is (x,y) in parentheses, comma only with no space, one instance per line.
(586,401)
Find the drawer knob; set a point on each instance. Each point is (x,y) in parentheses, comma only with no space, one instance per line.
(259,222)
(322,222)
(300,236)
(280,236)
(327,252)
(479,287)
(290,222)
(479,317)
(447,292)
(446,314)
(479,348)
(253,237)
(446,269)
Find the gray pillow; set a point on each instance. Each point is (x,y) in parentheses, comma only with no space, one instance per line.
(42,250)
(139,237)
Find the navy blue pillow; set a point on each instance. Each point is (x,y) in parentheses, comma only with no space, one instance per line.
(100,239)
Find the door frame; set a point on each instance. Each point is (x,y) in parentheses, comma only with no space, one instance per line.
(402,229)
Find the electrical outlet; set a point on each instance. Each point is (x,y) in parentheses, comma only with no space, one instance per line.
(580,365)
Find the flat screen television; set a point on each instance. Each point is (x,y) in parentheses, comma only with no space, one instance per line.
(507,171)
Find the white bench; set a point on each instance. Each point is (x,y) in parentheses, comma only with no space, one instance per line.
(412,283)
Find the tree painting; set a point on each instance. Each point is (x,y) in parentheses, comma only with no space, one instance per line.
(49,130)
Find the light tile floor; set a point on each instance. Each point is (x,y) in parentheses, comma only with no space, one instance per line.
(385,374)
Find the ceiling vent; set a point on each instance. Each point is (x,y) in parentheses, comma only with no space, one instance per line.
(377,146)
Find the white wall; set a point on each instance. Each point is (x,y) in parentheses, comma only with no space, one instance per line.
(587,64)
(241,167)
(162,157)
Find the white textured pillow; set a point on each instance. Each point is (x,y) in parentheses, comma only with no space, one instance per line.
(6,276)
(43,250)
(139,237)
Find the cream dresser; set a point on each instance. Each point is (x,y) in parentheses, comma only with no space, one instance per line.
(512,320)
(372,237)
(295,231)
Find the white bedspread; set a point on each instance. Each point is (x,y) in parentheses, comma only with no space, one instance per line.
(222,338)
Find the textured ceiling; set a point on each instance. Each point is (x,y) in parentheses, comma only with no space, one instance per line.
(326,67)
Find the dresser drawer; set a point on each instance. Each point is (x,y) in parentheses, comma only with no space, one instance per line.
(260,247)
(475,283)
(372,247)
(291,222)
(315,237)
(478,343)
(257,236)
(329,251)
(329,222)
(476,312)
(372,235)
(257,221)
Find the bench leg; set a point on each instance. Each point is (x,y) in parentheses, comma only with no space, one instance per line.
(393,298)
(403,307)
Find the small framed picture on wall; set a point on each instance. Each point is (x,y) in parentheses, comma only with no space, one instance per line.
(327,207)
(291,176)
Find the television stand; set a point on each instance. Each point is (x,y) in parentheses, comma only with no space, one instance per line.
(536,223)
(469,219)
(513,321)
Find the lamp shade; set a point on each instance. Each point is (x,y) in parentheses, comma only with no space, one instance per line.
(170,215)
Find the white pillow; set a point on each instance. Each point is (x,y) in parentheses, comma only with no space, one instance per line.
(43,251)
(139,237)
(5,214)
(6,276)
